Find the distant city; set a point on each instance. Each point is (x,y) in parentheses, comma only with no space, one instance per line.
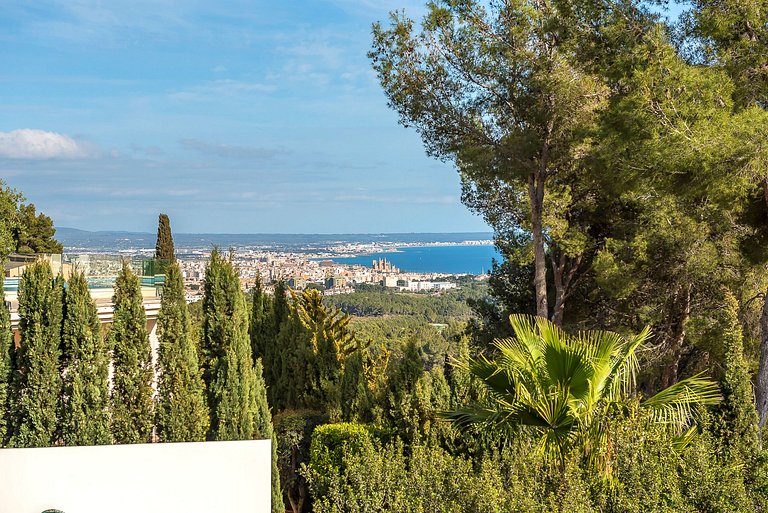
(335,263)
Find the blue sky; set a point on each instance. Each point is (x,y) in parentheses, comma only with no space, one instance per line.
(235,116)
(232,116)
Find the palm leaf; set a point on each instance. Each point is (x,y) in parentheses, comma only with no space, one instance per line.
(675,404)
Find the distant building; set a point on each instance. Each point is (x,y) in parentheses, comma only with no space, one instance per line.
(297,283)
(16,263)
(335,282)
(389,281)
(428,286)
(382,265)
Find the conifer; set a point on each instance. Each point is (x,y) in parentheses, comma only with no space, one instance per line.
(85,364)
(261,329)
(36,384)
(164,251)
(737,424)
(235,386)
(228,369)
(182,414)
(132,403)
(6,347)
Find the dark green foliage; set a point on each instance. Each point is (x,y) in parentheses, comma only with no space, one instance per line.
(132,403)
(228,372)
(293,429)
(450,305)
(34,232)
(85,362)
(164,251)
(647,476)
(736,419)
(6,348)
(182,414)
(276,313)
(262,326)
(237,396)
(35,389)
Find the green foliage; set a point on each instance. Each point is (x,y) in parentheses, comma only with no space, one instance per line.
(330,444)
(736,418)
(164,251)
(314,344)
(262,326)
(236,393)
(231,381)
(432,308)
(6,369)
(85,363)
(34,232)
(559,386)
(35,390)
(648,476)
(293,430)
(132,404)
(182,414)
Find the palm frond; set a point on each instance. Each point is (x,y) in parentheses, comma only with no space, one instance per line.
(675,404)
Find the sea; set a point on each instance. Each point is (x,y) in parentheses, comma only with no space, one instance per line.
(470,259)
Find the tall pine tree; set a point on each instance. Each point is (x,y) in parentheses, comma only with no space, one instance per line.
(36,384)
(6,346)
(85,362)
(182,414)
(164,251)
(132,403)
(235,387)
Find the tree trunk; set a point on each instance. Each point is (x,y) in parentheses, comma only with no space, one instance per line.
(536,196)
(563,284)
(669,376)
(761,386)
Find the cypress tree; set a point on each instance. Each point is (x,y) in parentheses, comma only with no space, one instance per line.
(6,346)
(261,328)
(132,415)
(228,369)
(85,362)
(264,430)
(36,384)
(278,316)
(737,423)
(164,251)
(182,414)
(235,386)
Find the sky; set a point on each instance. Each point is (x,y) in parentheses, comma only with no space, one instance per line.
(232,117)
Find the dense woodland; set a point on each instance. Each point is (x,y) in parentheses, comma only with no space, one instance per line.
(617,363)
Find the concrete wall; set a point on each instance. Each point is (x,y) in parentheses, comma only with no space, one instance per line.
(205,477)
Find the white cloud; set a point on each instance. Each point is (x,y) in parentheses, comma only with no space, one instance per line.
(31,144)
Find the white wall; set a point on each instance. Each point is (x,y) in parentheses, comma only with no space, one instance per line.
(205,477)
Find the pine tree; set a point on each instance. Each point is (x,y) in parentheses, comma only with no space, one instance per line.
(85,364)
(235,386)
(737,422)
(132,416)
(36,384)
(6,346)
(164,251)
(182,414)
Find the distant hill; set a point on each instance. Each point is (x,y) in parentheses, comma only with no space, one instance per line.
(74,239)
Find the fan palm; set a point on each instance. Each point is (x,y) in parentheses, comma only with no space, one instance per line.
(558,385)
